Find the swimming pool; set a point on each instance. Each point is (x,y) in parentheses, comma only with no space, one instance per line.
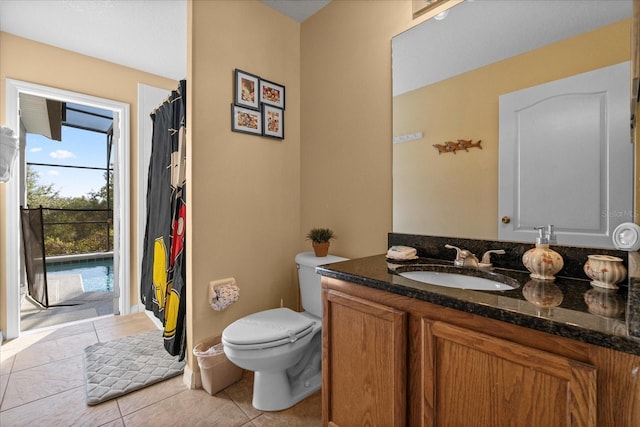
(97,274)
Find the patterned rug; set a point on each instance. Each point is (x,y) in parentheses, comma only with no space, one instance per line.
(115,368)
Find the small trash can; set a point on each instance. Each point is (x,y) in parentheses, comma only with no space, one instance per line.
(216,371)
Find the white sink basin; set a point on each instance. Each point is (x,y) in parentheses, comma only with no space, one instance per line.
(453,277)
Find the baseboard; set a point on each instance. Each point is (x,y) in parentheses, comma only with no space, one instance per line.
(154,319)
(191,379)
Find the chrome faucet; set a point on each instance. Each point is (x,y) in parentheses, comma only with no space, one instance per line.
(464,258)
(486,258)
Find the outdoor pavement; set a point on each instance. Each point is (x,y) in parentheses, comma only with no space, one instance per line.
(68,303)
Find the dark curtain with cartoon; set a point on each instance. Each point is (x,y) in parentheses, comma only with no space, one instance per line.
(162,285)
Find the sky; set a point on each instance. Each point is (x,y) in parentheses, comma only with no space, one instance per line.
(78,148)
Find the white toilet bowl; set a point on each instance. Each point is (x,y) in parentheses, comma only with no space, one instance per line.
(282,346)
(291,338)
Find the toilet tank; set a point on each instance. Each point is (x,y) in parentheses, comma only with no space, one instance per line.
(309,280)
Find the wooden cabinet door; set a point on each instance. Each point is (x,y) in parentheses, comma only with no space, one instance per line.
(473,379)
(364,363)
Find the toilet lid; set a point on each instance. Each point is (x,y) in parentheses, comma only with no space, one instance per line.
(268,328)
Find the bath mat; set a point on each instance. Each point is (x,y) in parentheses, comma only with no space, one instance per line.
(115,368)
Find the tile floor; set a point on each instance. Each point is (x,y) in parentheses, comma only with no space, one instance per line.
(42,384)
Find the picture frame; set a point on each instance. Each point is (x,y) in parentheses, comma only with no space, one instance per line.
(272,94)
(246,120)
(272,121)
(246,87)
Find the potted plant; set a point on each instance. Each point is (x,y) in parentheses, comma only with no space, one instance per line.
(320,240)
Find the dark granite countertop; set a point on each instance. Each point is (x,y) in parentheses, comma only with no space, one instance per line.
(535,304)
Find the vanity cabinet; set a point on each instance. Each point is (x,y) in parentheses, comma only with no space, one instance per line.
(471,378)
(391,360)
(364,352)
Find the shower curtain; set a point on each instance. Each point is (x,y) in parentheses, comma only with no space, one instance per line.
(162,283)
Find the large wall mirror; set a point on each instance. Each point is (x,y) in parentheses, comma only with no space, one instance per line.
(448,76)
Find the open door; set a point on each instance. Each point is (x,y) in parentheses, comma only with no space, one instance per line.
(14,188)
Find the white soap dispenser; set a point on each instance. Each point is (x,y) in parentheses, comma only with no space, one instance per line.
(542,261)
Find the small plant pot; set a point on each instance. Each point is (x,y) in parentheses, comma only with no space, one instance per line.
(320,249)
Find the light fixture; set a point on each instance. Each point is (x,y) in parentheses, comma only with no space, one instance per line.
(441,15)
(8,152)
(626,237)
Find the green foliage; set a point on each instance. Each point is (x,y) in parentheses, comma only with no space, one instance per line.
(320,235)
(38,194)
(74,230)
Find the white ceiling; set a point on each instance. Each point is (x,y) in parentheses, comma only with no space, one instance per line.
(298,10)
(147,35)
(481,32)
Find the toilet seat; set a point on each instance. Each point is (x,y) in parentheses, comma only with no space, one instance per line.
(266,329)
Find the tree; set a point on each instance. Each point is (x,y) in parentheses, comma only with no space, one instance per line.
(104,196)
(39,194)
(72,225)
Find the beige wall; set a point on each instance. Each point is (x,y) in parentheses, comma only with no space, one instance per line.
(345,161)
(38,63)
(457,195)
(252,200)
(243,194)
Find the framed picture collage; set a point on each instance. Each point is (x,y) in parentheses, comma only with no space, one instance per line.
(258,106)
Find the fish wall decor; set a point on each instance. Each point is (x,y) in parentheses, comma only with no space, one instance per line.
(461,144)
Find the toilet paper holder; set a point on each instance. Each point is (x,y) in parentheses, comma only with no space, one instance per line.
(223,293)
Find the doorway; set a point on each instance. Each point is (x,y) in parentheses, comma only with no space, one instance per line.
(15,191)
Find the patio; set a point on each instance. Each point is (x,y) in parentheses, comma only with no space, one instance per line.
(69,303)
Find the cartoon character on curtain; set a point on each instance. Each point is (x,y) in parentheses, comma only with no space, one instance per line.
(175,305)
(162,285)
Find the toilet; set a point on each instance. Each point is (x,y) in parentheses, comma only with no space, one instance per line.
(283,347)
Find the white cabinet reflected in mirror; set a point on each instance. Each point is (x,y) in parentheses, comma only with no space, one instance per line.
(448,76)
